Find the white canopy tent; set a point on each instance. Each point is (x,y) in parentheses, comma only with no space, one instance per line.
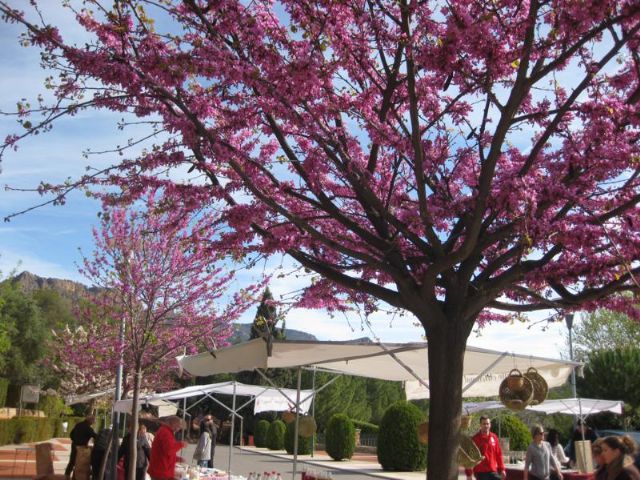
(581,407)
(407,362)
(266,398)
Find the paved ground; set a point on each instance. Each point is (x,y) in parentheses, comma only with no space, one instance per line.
(18,461)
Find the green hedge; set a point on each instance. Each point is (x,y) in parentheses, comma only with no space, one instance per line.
(260,434)
(340,437)
(33,429)
(305,444)
(275,436)
(4,386)
(514,428)
(399,448)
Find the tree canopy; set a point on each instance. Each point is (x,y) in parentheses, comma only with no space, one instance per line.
(461,160)
(604,330)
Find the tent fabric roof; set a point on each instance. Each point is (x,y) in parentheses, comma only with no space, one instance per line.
(273,400)
(374,360)
(569,406)
(84,398)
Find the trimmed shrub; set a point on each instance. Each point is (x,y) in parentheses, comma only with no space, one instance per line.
(398,446)
(275,435)
(305,444)
(26,429)
(514,428)
(366,427)
(4,386)
(340,437)
(260,435)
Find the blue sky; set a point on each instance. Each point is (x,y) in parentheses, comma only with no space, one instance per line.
(46,241)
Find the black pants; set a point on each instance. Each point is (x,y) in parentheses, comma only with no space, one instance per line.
(72,460)
(488,476)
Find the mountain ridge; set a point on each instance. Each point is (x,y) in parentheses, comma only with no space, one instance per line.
(73,291)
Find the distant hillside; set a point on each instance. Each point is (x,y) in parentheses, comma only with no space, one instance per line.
(72,291)
(67,289)
(242,332)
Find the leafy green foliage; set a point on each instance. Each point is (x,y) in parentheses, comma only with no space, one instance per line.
(366,427)
(305,444)
(261,432)
(55,309)
(53,406)
(398,445)
(613,375)
(603,330)
(340,437)
(346,395)
(27,333)
(380,395)
(515,429)
(275,435)
(4,386)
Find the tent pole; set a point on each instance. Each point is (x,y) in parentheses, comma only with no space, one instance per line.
(184,421)
(231,435)
(313,408)
(295,433)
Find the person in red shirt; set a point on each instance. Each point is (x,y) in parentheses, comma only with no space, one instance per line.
(162,463)
(492,467)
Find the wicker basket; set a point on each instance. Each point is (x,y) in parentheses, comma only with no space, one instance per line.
(423,433)
(516,399)
(468,453)
(540,386)
(515,380)
(465,421)
(288,417)
(307,426)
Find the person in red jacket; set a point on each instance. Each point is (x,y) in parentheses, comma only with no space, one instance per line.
(162,463)
(492,467)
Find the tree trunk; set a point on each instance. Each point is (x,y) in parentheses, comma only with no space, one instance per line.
(133,430)
(447,345)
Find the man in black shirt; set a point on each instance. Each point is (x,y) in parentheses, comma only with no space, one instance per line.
(80,436)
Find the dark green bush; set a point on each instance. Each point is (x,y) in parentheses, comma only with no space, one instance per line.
(340,437)
(305,444)
(275,435)
(398,446)
(4,385)
(260,435)
(366,427)
(515,429)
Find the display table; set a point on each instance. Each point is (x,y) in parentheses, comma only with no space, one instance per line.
(515,472)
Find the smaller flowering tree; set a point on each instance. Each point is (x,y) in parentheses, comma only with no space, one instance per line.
(157,280)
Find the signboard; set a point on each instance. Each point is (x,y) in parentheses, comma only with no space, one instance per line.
(29,394)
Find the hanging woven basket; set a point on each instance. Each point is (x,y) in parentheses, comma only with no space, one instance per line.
(465,421)
(423,433)
(307,426)
(540,386)
(515,380)
(468,453)
(288,417)
(516,399)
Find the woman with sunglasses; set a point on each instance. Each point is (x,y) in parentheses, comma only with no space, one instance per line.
(539,462)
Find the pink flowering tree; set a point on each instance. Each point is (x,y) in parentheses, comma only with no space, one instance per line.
(158,280)
(463,160)
(85,359)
